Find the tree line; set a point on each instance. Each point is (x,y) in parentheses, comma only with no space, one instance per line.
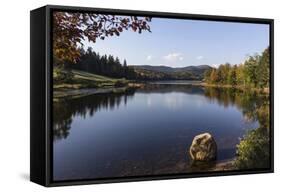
(254,72)
(106,65)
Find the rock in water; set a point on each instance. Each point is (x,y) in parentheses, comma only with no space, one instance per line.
(203,148)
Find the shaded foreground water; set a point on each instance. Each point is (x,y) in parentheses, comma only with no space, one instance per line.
(146,131)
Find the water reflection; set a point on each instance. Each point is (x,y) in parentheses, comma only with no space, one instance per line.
(250,103)
(246,101)
(65,109)
(147,131)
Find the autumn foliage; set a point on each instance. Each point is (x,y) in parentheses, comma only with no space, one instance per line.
(70,30)
(254,72)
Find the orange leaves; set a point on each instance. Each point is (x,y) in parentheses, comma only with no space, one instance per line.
(120,29)
(69,29)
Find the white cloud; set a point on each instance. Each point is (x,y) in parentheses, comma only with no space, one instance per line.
(216,65)
(199,57)
(149,57)
(173,57)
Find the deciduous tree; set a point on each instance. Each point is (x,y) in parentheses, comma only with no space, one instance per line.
(71,29)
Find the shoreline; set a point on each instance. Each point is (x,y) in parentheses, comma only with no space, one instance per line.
(77,93)
(239,87)
(225,165)
(203,84)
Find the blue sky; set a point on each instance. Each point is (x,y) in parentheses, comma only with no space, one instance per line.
(179,43)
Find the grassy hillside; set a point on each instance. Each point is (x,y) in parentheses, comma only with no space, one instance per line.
(75,79)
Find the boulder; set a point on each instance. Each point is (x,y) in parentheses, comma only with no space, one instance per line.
(203,148)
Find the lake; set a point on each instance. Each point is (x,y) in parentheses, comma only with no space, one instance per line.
(146,131)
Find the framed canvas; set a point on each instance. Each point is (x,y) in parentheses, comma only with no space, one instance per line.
(125,95)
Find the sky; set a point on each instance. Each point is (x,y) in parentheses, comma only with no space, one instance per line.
(180,43)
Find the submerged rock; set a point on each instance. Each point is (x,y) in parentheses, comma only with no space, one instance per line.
(203,148)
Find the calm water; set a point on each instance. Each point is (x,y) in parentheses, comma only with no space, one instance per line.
(146,131)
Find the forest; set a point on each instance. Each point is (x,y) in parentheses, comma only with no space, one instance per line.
(111,66)
(254,72)
(107,65)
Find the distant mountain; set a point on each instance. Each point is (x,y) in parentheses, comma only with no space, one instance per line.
(198,68)
(165,72)
(162,69)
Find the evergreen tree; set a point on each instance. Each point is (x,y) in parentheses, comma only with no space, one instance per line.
(125,68)
(107,65)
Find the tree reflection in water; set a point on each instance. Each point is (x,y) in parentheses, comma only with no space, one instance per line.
(65,109)
(253,105)
(253,151)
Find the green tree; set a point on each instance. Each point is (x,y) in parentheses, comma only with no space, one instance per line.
(254,150)
(219,78)
(251,68)
(232,77)
(240,75)
(264,69)
(225,69)
(125,71)
(254,72)
(207,76)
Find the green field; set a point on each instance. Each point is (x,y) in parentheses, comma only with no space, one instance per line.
(79,79)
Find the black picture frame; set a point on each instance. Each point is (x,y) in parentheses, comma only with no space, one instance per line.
(41,94)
